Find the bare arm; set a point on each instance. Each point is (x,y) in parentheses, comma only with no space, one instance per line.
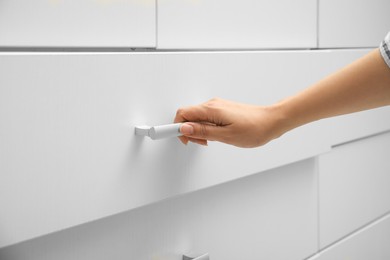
(362,85)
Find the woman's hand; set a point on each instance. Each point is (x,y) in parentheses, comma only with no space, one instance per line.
(229,122)
(362,85)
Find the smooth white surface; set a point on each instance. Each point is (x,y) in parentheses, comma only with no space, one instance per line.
(77,23)
(245,24)
(353,23)
(354,186)
(69,154)
(370,243)
(251,218)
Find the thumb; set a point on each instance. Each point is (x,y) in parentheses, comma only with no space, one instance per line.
(202,131)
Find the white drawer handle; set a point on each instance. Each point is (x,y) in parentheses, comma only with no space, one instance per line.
(202,257)
(159,132)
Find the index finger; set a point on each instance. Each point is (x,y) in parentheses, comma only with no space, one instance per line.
(189,114)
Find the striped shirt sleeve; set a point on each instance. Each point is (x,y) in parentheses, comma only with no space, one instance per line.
(385,49)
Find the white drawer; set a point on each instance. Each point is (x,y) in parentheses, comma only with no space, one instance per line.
(353,23)
(67,138)
(245,24)
(347,128)
(370,243)
(81,23)
(251,218)
(354,186)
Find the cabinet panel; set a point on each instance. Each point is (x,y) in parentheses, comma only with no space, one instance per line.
(370,243)
(354,186)
(353,23)
(249,219)
(69,154)
(82,23)
(246,24)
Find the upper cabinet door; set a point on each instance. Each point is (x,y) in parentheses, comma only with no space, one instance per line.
(81,23)
(230,24)
(353,23)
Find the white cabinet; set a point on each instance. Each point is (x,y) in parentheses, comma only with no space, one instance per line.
(353,23)
(68,153)
(354,186)
(251,218)
(230,24)
(370,243)
(77,23)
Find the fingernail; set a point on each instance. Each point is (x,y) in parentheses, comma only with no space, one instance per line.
(186,129)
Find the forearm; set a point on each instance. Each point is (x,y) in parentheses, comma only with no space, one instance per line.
(362,85)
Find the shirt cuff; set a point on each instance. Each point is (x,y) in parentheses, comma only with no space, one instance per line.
(384,49)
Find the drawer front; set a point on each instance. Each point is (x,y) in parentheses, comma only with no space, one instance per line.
(251,218)
(246,24)
(348,128)
(350,23)
(82,23)
(354,186)
(67,129)
(370,243)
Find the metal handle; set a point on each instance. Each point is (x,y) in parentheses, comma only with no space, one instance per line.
(202,257)
(159,132)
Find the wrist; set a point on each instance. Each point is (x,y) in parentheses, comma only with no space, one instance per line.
(283,116)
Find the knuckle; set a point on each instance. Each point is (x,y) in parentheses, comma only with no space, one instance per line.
(203,130)
(215,99)
(212,103)
(180,112)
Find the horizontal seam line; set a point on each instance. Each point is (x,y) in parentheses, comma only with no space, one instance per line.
(350,235)
(153,50)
